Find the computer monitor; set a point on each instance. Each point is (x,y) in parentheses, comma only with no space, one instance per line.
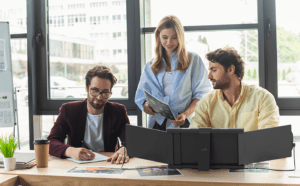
(206,148)
(222,145)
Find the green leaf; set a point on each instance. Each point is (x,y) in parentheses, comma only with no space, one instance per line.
(8,145)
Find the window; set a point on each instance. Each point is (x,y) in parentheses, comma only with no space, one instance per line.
(288,45)
(72,51)
(116,18)
(204,35)
(240,23)
(75,6)
(20,21)
(98,4)
(118,3)
(116,35)
(14,12)
(75,19)
(224,13)
(245,41)
(56,21)
(95,20)
(56,7)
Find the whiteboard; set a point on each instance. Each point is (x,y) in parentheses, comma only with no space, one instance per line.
(7,118)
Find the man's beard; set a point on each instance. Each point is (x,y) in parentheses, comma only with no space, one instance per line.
(98,106)
(223,83)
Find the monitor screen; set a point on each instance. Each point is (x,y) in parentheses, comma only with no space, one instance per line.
(223,147)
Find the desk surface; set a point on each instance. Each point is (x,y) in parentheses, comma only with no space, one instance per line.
(8,180)
(56,174)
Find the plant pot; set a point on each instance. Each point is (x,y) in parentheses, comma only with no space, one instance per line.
(9,163)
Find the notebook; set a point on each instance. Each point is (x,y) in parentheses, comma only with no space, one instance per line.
(98,157)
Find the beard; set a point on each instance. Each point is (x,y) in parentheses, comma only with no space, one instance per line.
(97,106)
(223,83)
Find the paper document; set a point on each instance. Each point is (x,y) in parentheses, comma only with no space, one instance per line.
(98,157)
(96,170)
(6,108)
(3,62)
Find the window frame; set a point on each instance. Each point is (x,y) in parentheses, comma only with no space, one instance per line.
(47,106)
(38,64)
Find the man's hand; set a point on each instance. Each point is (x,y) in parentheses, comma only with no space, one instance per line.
(118,157)
(147,109)
(179,120)
(79,153)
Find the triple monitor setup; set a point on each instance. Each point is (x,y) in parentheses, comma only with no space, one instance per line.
(209,148)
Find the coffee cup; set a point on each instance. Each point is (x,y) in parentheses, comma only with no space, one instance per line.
(41,148)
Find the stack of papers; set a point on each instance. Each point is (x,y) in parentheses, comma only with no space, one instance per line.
(23,160)
(98,157)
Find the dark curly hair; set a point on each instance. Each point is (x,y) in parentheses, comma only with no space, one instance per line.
(226,57)
(101,72)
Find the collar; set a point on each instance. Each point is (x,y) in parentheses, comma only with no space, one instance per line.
(241,96)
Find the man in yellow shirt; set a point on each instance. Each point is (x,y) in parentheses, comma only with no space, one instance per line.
(233,104)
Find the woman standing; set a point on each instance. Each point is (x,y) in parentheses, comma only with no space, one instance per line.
(174,76)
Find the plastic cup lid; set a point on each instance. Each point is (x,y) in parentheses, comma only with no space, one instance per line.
(41,141)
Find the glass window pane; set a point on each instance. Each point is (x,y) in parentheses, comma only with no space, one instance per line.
(75,47)
(292,120)
(20,81)
(244,41)
(14,12)
(201,12)
(288,48)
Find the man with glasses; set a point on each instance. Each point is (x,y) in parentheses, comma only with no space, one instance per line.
(92,125)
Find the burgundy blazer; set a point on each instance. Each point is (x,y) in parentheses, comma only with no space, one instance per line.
(71,123)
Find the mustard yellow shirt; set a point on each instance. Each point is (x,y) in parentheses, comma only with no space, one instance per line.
(255,109)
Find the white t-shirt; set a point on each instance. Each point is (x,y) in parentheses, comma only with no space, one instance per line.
(168,83)
(93,135)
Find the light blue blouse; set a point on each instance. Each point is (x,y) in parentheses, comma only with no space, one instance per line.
(187,86)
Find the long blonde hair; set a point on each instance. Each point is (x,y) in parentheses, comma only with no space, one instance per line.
(170,21)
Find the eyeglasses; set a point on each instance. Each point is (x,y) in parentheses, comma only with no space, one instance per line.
(104,95)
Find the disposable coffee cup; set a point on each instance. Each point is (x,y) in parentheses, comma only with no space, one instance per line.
(41,148)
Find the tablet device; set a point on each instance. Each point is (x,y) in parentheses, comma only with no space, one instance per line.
(158,106)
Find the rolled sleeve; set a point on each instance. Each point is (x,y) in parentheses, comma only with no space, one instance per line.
(201,117)
(268,112)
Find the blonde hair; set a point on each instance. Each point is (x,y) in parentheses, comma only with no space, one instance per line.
(170,21)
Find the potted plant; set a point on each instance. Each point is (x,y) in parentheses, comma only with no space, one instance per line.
(8,146)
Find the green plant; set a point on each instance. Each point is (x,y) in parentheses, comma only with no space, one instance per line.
(283,74)
(254,74)
(8,146)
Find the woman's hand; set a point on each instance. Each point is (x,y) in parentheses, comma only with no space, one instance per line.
(179,120)
(147,109)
